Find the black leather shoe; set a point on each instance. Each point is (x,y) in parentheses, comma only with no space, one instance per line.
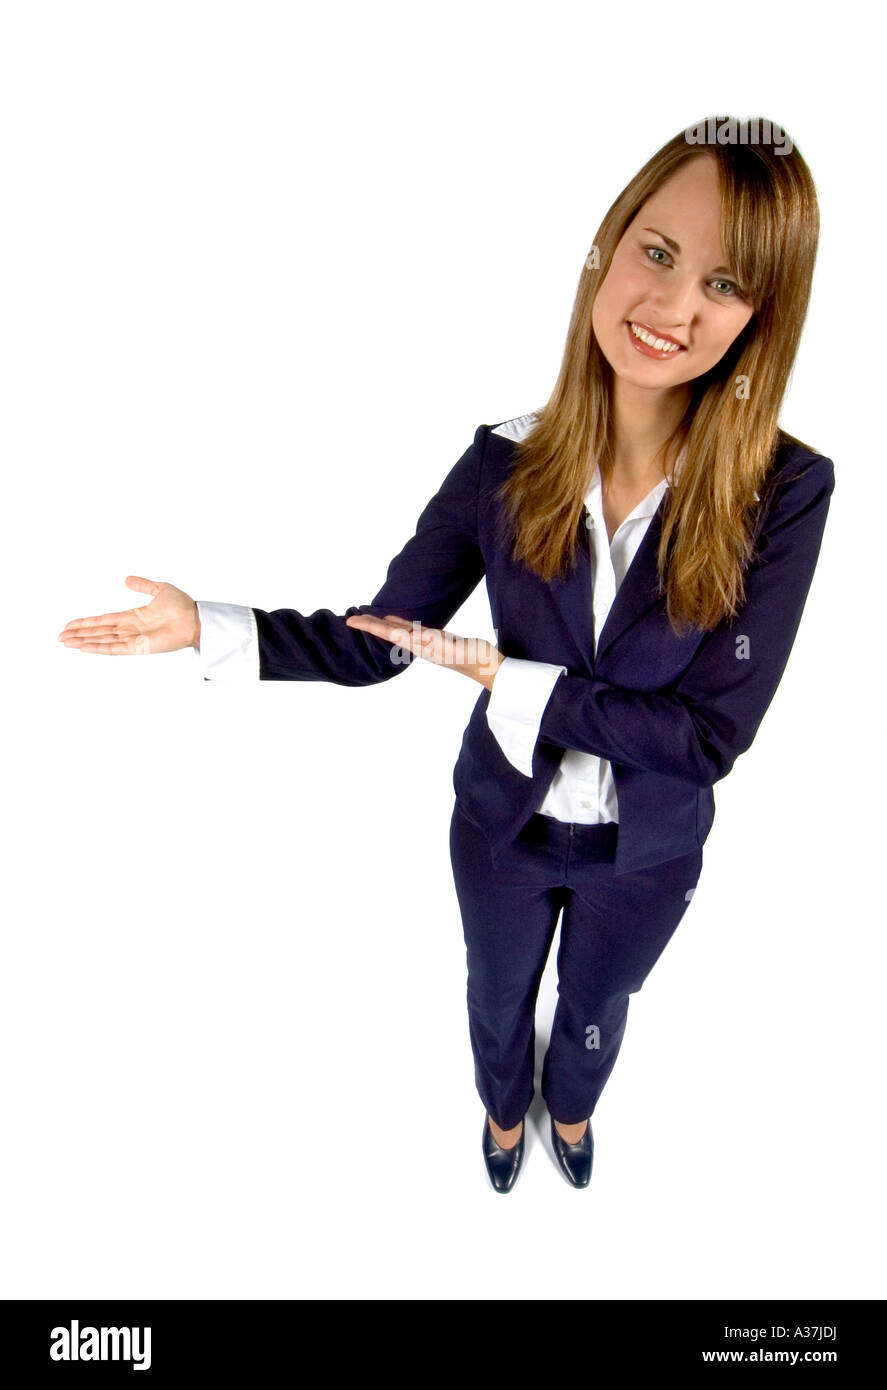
(503,1165)
(574,1160)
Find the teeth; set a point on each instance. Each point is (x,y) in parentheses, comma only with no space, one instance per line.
(659,343)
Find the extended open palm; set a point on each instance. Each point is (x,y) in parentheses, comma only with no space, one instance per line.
(168,623)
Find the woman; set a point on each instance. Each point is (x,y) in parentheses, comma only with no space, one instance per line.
(648,539)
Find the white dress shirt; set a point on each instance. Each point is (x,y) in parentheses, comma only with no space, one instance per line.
(583,790)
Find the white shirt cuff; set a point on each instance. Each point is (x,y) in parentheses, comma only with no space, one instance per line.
(229,642)
(521,690)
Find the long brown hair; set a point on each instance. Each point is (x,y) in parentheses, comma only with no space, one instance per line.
(770,222)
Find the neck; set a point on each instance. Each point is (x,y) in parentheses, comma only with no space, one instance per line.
(643,421)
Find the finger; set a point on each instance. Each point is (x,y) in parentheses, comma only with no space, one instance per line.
(406,631)
(102,638)
(133,646)
(365,621)
(144,586)
(103,620)
(397,631)
(113,645)
(120,630)
(372,618)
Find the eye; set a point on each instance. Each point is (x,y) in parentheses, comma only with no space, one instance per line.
(733,290)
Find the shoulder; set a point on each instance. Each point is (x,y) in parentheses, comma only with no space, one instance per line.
(796,491)
(794,460)
(498,445)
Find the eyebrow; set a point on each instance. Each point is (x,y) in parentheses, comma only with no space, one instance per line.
(673,246)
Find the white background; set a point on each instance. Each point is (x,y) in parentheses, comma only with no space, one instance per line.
(266,268)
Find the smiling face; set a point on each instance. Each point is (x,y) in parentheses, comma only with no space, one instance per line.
(669,279)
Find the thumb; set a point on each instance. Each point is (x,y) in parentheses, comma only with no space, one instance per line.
(144,586)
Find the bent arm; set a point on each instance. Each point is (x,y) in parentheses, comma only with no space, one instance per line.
(697,729)
(427,582)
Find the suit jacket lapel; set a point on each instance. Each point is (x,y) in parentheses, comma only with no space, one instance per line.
(639,590)
(636,595)
(572,601)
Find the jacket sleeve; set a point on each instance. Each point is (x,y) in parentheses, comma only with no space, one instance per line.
(697,728)
(427,582)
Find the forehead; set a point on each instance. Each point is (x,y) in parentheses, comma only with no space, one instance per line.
(687,207)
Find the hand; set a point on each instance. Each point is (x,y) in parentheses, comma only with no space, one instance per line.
(471,655)
(168,623)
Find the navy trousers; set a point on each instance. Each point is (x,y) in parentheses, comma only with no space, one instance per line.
(613,931)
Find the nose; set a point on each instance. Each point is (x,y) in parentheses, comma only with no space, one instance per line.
(674,305)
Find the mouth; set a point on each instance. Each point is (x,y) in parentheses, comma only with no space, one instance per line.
(651,343)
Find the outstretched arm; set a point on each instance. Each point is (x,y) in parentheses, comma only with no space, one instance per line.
(426,583)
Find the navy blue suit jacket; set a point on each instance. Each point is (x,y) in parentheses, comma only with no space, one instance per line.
(671,714)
